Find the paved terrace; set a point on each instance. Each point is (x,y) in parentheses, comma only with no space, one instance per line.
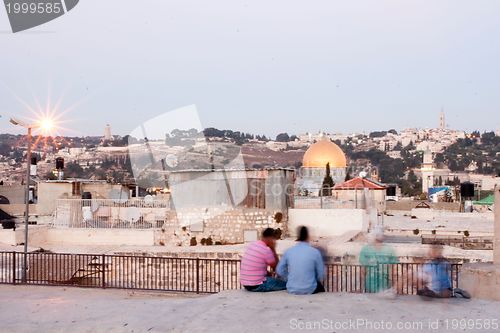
(55,309)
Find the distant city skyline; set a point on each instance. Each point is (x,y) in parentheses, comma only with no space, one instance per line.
(108,132)
(260,67)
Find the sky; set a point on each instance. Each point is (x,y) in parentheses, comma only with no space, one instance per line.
(258,66)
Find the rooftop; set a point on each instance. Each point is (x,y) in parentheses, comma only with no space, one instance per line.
(360,183)
(49,309)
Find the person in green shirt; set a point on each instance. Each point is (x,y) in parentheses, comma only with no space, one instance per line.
(377,259)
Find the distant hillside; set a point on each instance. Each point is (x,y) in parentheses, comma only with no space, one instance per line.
(477,151)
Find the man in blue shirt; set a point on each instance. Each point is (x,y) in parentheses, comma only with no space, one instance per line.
(302,266)
(437,277)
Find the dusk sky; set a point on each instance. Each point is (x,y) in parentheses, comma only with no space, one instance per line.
(260,66)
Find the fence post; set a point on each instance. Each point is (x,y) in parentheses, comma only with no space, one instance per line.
(14,267)
(103,267)
(197,275)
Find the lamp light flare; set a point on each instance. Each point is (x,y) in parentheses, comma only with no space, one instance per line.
(46,125)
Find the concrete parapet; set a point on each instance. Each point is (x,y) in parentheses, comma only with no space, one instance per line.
(483,280)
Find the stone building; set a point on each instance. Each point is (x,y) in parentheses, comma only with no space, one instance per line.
(204,207)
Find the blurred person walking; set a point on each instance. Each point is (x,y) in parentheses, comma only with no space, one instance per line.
(377,258)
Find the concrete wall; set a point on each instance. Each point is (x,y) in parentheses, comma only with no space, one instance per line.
(430,214)
(18,209)
(364,198)
(327,222)
(40,236)
(279,189)
(37,235)
(100,236)
(15,193)
(8,237)
(200,188)
(489,183)
(496,245)
(49,192)
(481,280)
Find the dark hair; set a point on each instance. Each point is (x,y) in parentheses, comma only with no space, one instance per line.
(268,233)
(303,234)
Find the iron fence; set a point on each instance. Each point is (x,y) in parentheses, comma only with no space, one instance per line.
(107,213)
(197,275)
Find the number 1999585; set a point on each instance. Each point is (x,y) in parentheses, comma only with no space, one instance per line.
(34,7)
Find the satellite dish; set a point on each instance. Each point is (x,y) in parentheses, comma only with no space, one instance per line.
(363,174)
(94,206)
(148,199)
(171,160)
(133,214)
(87,214)
(118,196)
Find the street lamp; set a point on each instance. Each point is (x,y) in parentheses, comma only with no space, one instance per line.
(46,125)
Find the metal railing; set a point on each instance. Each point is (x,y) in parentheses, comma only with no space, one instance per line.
(302,202)
(107,213)
(198,275)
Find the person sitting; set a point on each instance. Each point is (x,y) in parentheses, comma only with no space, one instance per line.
(302,266)
(437,277)
(258,256)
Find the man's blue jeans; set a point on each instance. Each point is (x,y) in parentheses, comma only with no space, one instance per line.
(270,284)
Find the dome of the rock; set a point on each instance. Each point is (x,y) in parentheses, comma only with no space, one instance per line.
(323,152)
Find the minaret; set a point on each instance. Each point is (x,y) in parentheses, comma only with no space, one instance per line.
(442,122)
(427,171)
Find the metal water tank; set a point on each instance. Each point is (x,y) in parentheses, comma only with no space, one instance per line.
(467,190)
(59,163)
(391,191)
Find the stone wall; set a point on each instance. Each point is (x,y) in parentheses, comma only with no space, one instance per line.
(217,225)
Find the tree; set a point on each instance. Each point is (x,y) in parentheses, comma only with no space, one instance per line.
(328,184)
(74,170)
(283,137)
(411,146)
(5,149)
(378,134)
(412,178)
(50,176)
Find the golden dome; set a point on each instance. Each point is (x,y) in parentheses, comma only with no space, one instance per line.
(323,152)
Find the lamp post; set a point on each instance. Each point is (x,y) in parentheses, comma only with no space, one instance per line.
(29,127)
